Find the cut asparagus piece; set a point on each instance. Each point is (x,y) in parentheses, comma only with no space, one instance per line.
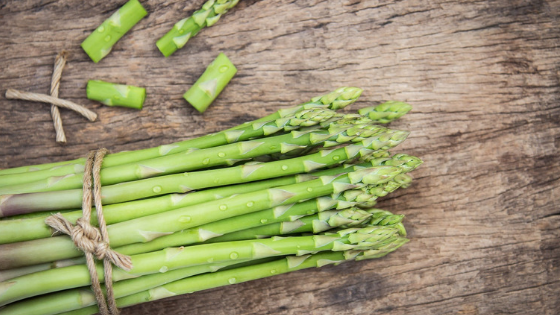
(214,79)
(368,238)
(335,100)
(112,94)
(151,227)
(99,43)
(187,28)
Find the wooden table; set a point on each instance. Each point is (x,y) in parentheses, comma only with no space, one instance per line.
(483,76)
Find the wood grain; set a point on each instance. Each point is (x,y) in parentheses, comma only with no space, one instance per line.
(484,80)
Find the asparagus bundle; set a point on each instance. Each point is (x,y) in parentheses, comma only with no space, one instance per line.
(289,191)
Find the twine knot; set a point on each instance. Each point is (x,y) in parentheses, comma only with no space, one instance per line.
(88,239)
(91,240)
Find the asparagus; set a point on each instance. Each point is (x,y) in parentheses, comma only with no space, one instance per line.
(187,28)
(349,198)
(316,223)
(34,228)
(29,229)
(66,300)
(146,288)
(287,214)
(386,112)
(147,228)
(68,199)
(112,94)
(207,88)
(335,100)
(370,237)
(205,158)
(99,43)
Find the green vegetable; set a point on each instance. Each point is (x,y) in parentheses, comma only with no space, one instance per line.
(147,228)
(278,121)
(179,183)
(289,191)
(187,28)
(171,258)
(99,43)
(112,94)
(386,112)
(211,83)
(191,279)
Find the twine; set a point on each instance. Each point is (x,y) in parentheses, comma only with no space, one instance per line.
(93,241)
(59,63)
(44,98)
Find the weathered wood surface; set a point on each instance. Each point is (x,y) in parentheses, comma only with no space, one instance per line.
(484,80)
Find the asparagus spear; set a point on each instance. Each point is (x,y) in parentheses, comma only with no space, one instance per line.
(28,229)
(187,28)
(147,228)
(112,94)
(68,199)
(284,213)
(280,120)
(229,226)
(66,300)
(99,43)
(214,79)
(367,238)
(349,198)
(205,158)
(386,112)
(157,286)
(316,223)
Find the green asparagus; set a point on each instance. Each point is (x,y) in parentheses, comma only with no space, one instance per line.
(112,94)
(187,28)
(281,120)
(207,88)
(99,43)
(367,238)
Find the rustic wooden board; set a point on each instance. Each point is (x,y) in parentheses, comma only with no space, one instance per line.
(484,80)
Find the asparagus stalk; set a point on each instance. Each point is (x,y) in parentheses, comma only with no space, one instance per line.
(28,229)
(12,231)
(386,112)
(335,100)
(228,227)
(99,43)
(348,198)
(187,28)
(112,94)
(205,158)
(214,79)
(74,299)
(151,227)
(367,238)
(287,214)
(307,114)
(146,288)
(68,199)
(316,223)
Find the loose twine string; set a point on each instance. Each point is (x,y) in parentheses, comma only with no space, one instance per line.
(93,241)
(59,63)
